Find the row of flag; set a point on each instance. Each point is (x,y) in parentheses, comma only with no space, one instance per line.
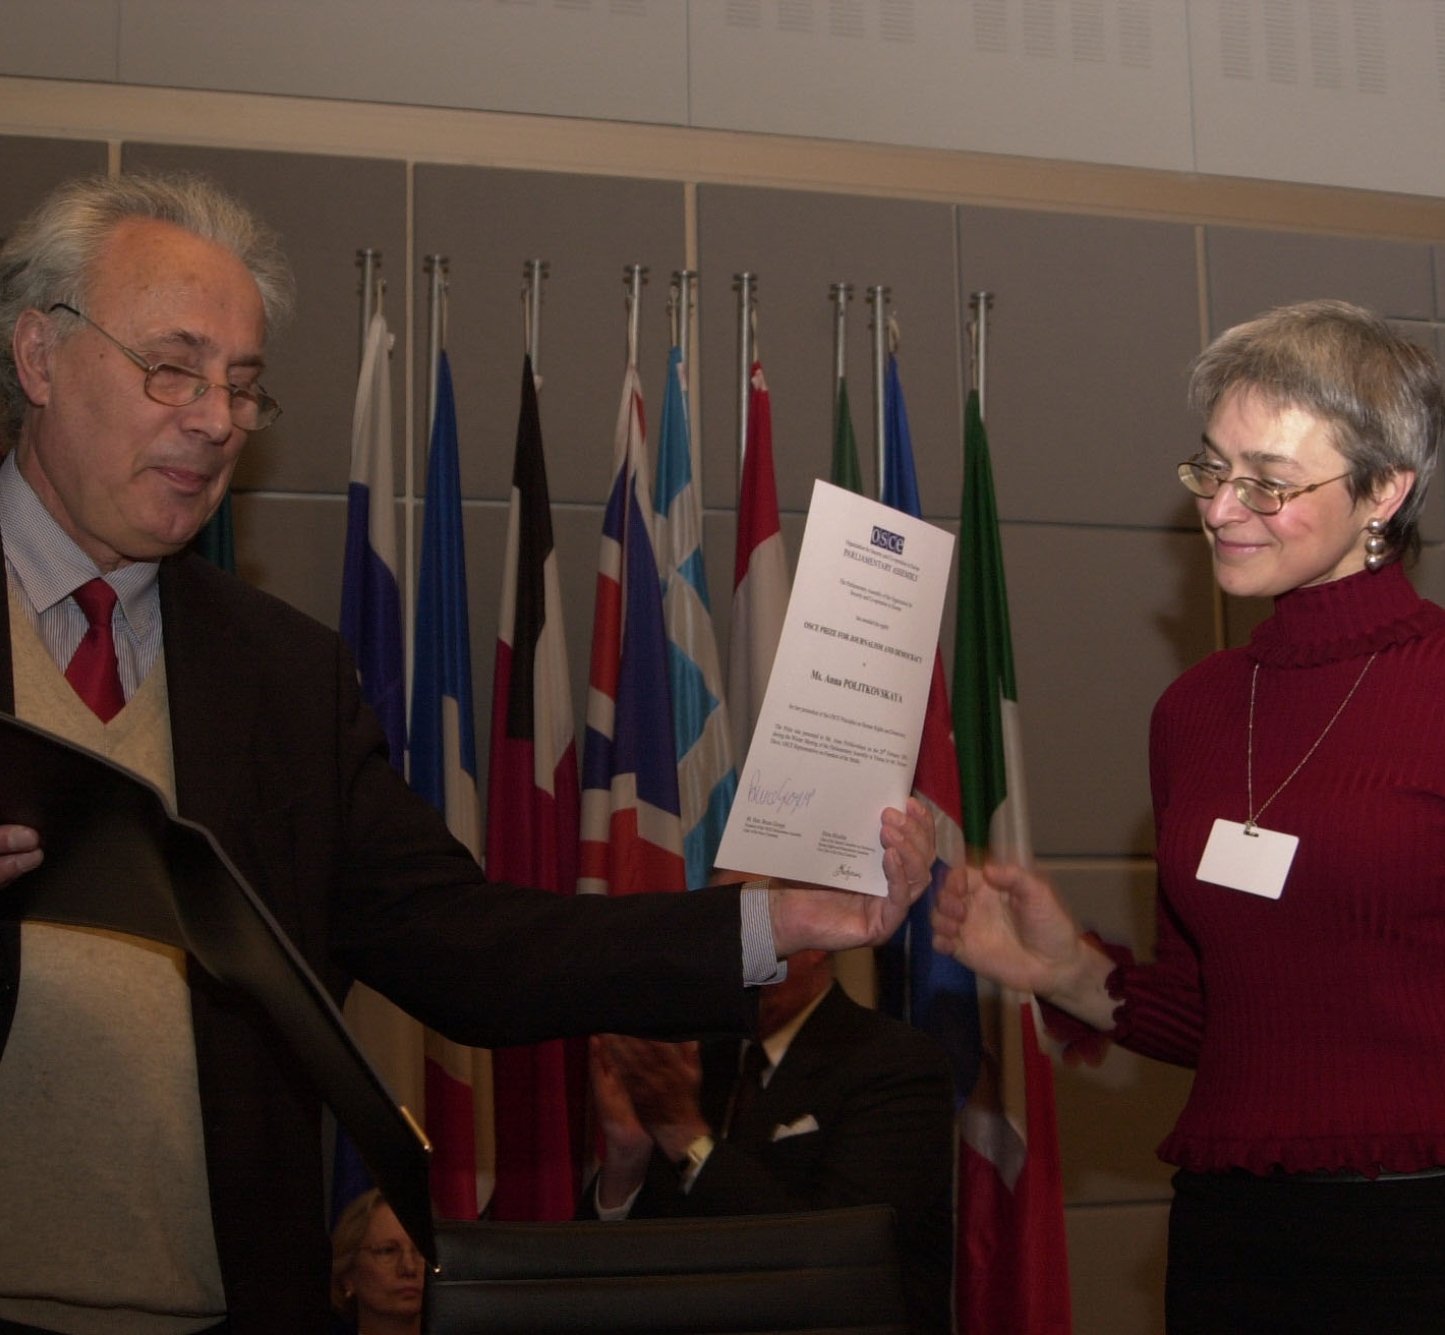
(658,777)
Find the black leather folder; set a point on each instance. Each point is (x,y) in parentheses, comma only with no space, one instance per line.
(104,828)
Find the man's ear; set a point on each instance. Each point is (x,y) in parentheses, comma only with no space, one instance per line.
(33,344)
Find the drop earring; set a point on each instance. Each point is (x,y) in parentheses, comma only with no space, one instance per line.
(1376,548)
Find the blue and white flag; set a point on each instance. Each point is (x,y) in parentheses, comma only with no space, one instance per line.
(371,627)
(706,778)
(370,590)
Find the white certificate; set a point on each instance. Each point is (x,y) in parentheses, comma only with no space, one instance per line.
(837,738)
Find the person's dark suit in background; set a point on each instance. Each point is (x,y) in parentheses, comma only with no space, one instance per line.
(858,1110)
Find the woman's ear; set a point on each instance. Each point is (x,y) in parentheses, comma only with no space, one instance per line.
(1390,494)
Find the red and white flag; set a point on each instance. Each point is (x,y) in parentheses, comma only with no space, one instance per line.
(760,572)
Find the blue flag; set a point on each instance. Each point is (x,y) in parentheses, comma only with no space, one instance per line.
(444,771)
(933,992)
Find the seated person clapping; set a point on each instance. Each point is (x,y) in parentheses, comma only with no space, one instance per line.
(835,1105)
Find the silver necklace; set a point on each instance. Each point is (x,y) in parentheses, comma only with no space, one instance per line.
(1256,812)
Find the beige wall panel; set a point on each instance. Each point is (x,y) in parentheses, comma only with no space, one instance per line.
(488,223)
(292,546)
(60,39)
(1116,1268)
(798,245)
(1093,323)
(325,209)
(30,168)
(1102,620)
(1112,1116)
(568,59)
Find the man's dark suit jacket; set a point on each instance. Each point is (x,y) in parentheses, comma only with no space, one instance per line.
(276,753)
(881,1095)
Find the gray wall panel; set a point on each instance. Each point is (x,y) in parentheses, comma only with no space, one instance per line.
(31,168)
(1111,1116)
(1252,270)
(488,223)
(325,209)
(1116,1268)
(1102,622)
(1093,323)
(798,245)
(291,546)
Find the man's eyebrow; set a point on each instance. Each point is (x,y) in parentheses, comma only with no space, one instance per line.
(188,338)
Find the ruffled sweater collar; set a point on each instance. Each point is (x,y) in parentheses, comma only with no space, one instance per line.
(1342,619)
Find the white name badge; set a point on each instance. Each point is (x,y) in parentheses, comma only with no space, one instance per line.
(1253,860)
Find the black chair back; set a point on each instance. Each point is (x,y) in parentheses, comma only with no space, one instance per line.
(825,1270)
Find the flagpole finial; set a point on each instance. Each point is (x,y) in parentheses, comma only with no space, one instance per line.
(436,269)
(980,303)
(840,294)
(878,296)
(679,304)
(534,274)
(372,285)
(634,276)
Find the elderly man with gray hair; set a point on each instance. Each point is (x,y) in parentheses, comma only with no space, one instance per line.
(160,1159)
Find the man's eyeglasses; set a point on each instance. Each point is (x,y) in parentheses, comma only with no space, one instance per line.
(392,1253)
(1264,498)
(252,409)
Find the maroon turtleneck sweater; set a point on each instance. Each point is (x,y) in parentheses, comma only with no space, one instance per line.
(1315,1022)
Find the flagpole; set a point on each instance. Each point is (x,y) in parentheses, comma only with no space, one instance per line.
(370,262)
(534,273)
(878,300)
(634,275)
(436,267)
(979,303)
(746,286)
(842,294)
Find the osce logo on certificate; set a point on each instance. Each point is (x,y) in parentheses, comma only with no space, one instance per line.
(890,542)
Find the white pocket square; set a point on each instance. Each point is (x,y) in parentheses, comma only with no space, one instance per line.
(807,1122)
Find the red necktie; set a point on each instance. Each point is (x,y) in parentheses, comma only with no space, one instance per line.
(93,670)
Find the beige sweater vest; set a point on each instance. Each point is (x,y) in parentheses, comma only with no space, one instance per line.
(105,1219)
